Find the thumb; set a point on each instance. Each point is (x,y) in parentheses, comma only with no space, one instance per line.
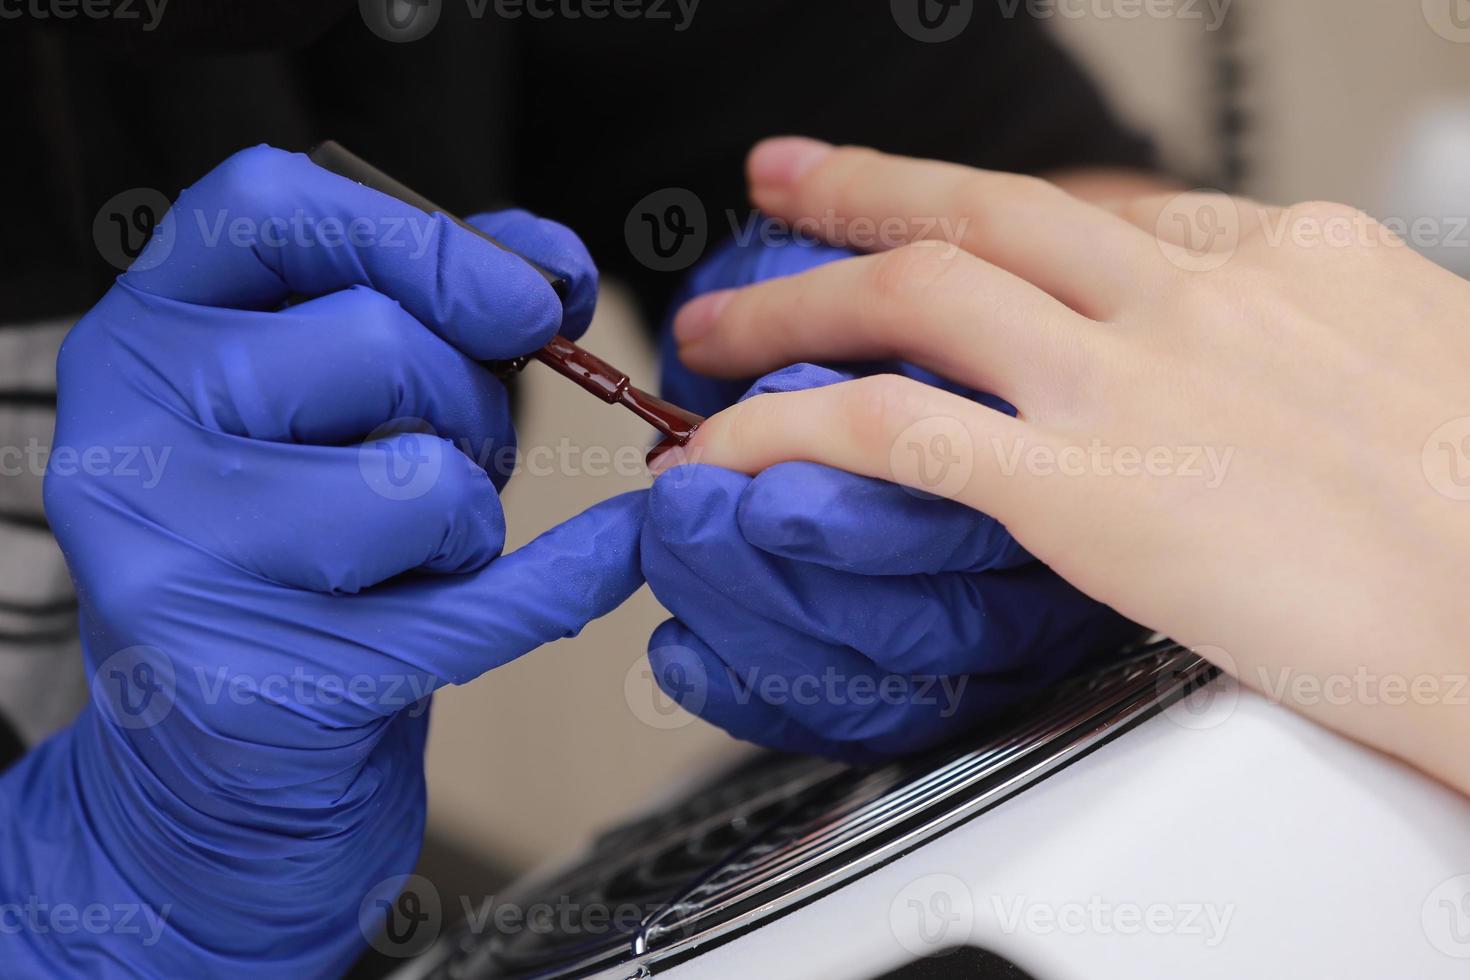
(548,590)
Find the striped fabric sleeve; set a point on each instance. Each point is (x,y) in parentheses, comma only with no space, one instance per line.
(41,676)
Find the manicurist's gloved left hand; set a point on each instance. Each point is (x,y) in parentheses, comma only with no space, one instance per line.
(271,582)
(820,611)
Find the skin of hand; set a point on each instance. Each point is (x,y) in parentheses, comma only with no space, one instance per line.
(1241,425)
(1109,185)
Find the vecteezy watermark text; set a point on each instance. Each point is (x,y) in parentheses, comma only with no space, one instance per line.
(304,230)
(1363,686)
(403,915)
(669,229)
(862,233)
(143,463)
(936,913)
(1202,230)
(148,12)
(1097,916)
(399,692)
(672,686)
(679,13)
(401,21)
(138,687)
(95,919)
(835,689)
(1211,13)
(1207,463)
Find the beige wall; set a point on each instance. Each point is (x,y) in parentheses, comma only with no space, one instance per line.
(1340,95)
(1343,95)
(551,746)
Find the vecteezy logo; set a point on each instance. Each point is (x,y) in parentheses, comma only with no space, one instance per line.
(400,21)
(404,917)
(134,229)
(933,21)
(402,459)
(1450,19)
(1199,231)
(941,452)
(135,688)
(1446,459)
(1446,918)
(932,914)
(401,916)
(667,690)
(667,230)
(934,457)
(1208,705)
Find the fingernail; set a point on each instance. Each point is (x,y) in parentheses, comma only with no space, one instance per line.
(698,317)
(785,160)
(662,456)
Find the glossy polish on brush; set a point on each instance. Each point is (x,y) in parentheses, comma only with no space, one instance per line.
(590,372)
(594,374)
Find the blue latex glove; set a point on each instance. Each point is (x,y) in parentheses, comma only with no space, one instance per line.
(736,263)
(266,611)
(820,611)
(744,262)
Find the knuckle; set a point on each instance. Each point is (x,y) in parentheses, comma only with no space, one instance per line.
(906,273)
(1088,379)
(1147,211)
(742,425)
(461,484)
(79,348)
(1257,223)
(1143,211)
(1329,227)
(145,585)
(1323,231)
(1327,211)
(62,498)
(870,407)
(250,177)
(82,361)
(381,327)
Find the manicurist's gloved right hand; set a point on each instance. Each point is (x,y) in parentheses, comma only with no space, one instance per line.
(271,581)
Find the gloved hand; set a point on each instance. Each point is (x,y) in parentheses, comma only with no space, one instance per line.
(271,584)
(824,612)
(736,263)
(745,262)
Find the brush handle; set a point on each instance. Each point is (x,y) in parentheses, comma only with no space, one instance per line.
(333,156)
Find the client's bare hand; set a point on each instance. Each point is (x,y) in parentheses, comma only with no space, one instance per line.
(1246,427)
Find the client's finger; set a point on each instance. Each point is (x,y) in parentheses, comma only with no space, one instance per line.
(887,427)
(928,303)
(1080,254)
(1196,230)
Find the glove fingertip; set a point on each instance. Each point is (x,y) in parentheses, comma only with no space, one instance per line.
(578,571)
(559,250)
(687,503)
(797,377)
(806,512)
(690,673)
